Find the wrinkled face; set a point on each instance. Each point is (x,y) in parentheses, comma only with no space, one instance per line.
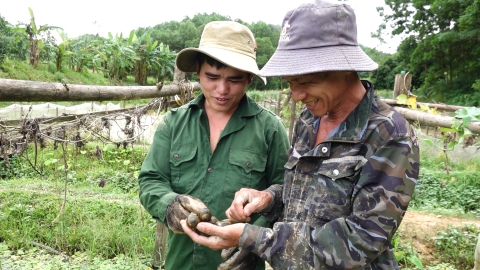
(321,92)
(223,88)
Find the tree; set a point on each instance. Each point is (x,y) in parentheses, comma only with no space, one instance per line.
(153,58)
(442,47)
(34,34)
(4,38)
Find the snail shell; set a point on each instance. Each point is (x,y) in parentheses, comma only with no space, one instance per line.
(192,220)
(204,214)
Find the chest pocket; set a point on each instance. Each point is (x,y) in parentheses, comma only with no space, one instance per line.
(183,167)
(246,170)
(333,185)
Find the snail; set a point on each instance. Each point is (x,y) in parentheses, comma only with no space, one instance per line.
(204,214)
(193,219)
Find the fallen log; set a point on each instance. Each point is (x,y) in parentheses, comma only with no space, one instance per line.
(27,91)
(442,107)
(429,119)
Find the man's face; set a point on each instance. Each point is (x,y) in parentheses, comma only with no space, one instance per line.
(223,88)
(321,92)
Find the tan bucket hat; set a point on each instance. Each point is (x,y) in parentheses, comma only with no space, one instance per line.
(229,42)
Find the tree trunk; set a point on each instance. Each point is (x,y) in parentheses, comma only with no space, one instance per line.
(34,52)
(59,61)
(140,72)
(403,83)
(441,107)
(429,119)
(26,91)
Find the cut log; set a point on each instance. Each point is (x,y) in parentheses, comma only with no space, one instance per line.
(442,107)
(26,91)
(429,119)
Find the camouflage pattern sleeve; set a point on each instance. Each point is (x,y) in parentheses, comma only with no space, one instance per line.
(275,208)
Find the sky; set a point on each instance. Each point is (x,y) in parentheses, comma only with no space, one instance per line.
(104,16)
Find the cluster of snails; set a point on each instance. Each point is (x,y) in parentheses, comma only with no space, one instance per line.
(204,215)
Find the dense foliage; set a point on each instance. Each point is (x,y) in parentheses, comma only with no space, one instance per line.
(440,49)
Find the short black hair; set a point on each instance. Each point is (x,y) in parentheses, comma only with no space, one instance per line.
(202,58)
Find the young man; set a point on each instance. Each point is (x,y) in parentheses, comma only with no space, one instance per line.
(353,164)
(213,146)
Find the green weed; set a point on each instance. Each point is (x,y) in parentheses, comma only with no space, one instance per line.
(405,253)
(458,191)
(457,245)
(91,224)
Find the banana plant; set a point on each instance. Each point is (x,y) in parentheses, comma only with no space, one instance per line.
(166,60)
(152,58)
(34,34)
(62,49)
(146,51)
(118,56)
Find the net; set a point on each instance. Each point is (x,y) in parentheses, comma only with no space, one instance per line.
(45,110)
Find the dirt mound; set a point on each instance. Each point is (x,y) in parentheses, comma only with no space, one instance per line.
(421,228)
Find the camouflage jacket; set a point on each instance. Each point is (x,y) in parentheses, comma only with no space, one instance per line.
(342,200)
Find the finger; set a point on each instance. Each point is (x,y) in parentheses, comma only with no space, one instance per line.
(248,262)
(175,213)
(209,229)
(227,236)
(179,211)
(192,204)
(199,239)
(235,217)
(236,210)
(230,263)
(240,260)
(251,207)
(227,252)
(259,201)
(213,242)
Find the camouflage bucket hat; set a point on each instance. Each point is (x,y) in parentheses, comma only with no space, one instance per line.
(318,36)
(226,41)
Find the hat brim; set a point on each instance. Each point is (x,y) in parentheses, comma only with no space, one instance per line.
(186,60)
(311,60)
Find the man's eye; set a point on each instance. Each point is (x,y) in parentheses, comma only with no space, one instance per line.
(305,81)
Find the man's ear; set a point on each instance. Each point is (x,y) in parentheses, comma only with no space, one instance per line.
(198,69)
(250,78)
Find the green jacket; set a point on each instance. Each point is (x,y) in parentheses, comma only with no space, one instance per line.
(251,152)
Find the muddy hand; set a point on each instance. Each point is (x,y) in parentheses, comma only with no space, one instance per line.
(184,207)
(242,259)
(196,206)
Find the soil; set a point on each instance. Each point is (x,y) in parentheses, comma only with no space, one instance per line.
(421,228)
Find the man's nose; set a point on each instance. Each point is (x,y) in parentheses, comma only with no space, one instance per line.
(223,87)
(297,94)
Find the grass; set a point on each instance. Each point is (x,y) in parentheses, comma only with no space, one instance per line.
(101,227)
(106,227)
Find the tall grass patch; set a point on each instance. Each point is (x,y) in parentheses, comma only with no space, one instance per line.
(99,227)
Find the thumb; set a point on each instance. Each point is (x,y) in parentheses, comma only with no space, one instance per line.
(250,208)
